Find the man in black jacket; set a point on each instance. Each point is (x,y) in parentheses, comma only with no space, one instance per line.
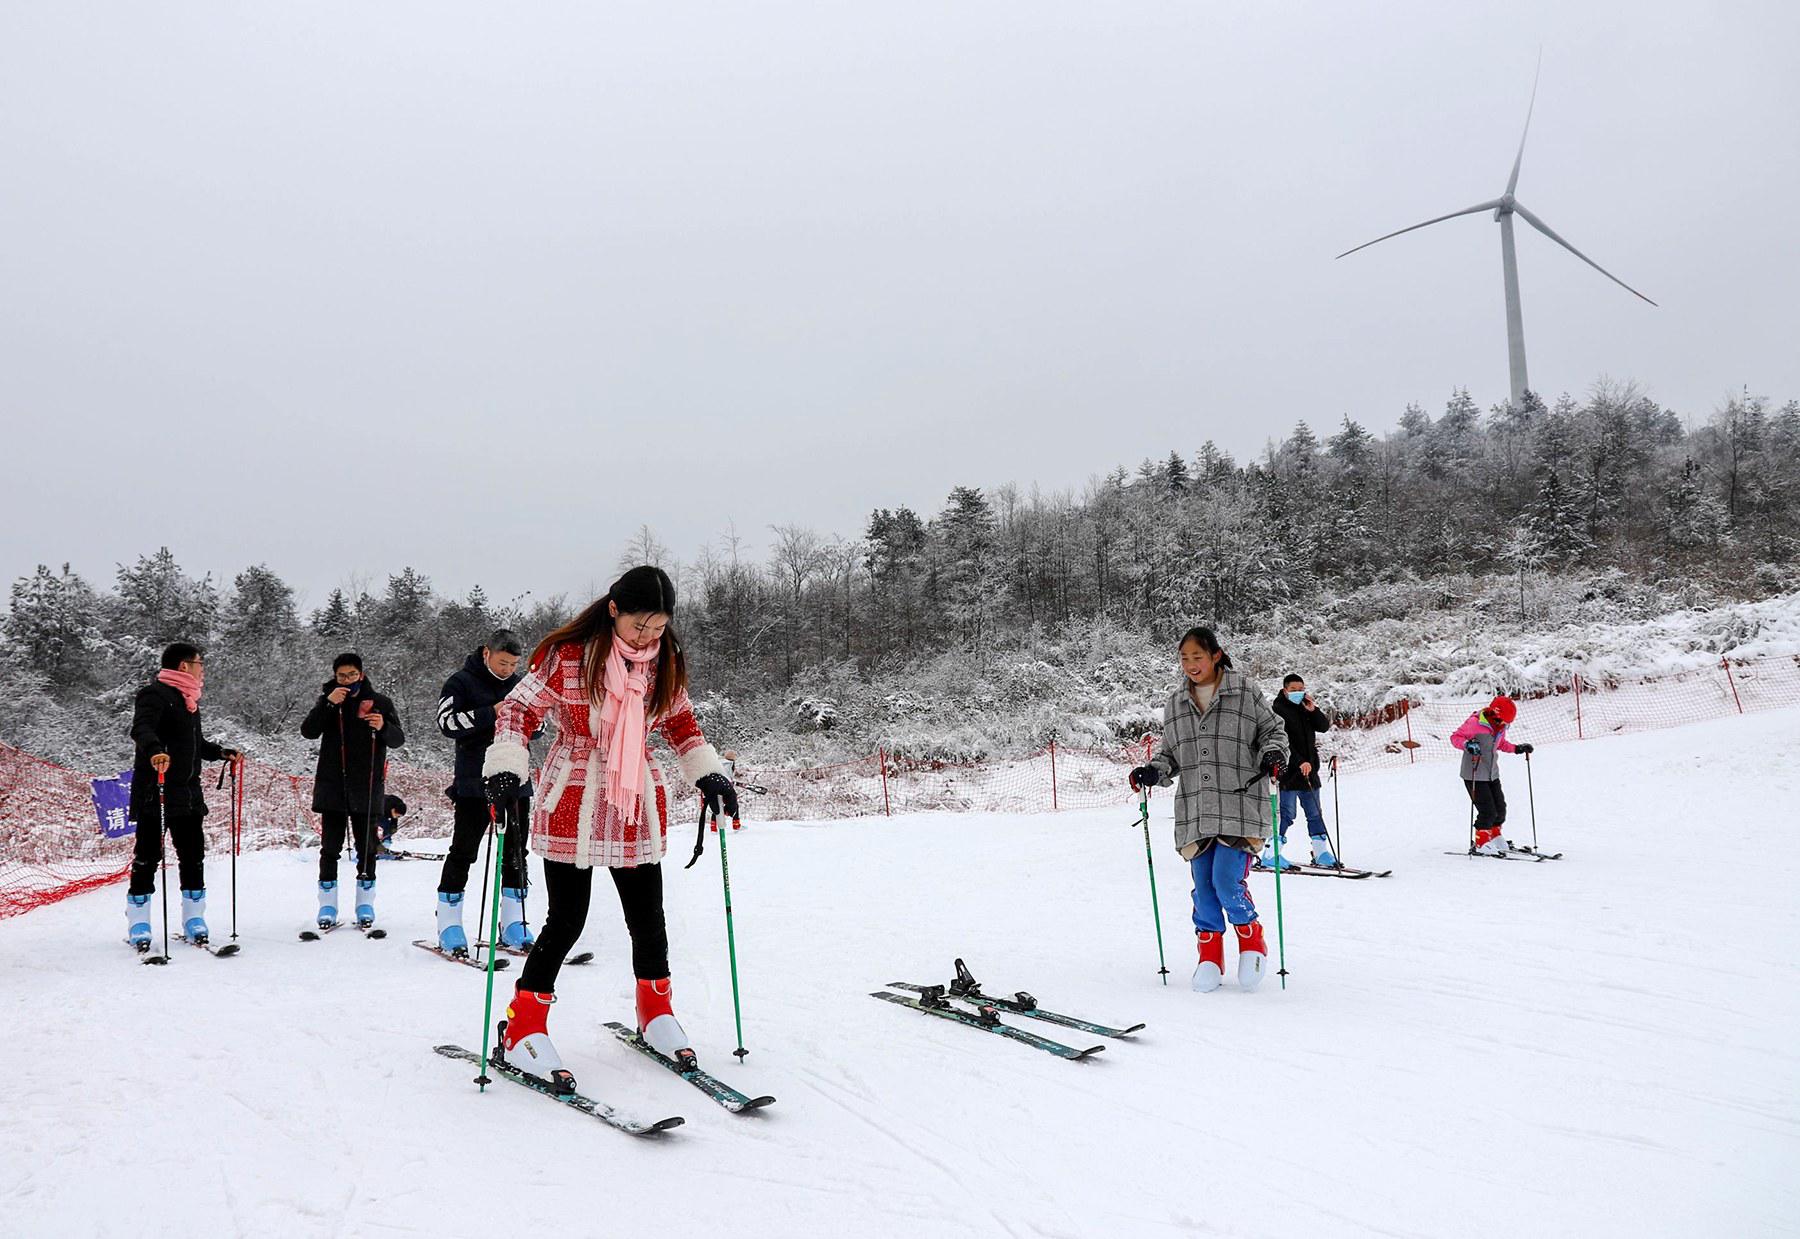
(1300,785)
(171,744)
(466,715)
(356,727)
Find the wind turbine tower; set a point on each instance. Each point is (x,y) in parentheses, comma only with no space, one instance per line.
(1504,208)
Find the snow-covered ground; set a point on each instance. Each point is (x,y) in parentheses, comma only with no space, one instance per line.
(1603,1045)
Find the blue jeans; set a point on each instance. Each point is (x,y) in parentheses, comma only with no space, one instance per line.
(1309,801)
(1221,889)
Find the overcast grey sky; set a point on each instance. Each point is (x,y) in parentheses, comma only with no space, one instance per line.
(482,287)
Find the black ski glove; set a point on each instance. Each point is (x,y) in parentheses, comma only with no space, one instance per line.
(502,788)
(1145,776)
(1472,747)
(1270,764)
(721,796)
(1522,748)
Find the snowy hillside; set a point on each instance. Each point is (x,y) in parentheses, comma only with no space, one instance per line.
(1602,1045)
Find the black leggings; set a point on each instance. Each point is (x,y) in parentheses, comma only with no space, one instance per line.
(190,850)
(569,888)
(1490,803)
(332,827)
(465,846)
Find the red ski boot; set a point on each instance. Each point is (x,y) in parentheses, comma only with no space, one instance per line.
(657,1024)
(525,1041)
(1253,954)
(1488,842)
(1211,972)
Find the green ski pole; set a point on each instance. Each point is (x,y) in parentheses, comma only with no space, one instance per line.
(1150,861)
(1275,827)
(487,1014)
(737,1010)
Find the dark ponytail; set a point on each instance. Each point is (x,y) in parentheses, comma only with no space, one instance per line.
(1208,641)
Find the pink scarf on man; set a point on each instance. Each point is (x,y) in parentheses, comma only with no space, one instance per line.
(623,725)
(186,684)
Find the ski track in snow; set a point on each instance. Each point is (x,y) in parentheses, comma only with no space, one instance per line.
(1601,1045)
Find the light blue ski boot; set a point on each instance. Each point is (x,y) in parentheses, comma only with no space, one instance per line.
(365,902)
(137,921)
(327,905)
(514,932)
(1321,847)
(451,938)
(193,915)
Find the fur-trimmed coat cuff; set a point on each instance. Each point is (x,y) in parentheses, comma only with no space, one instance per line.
(700,761)
(507,757)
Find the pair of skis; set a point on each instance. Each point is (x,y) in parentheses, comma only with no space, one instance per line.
(935,1000)
(500,965)
(1514,851)
(314,934)
(1322,871)
(685,1067)
(146,956)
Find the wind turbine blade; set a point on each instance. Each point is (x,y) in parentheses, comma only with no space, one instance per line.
(1541,226)
(1476,209)
(1512,182)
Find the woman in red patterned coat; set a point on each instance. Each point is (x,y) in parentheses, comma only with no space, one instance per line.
(605,679)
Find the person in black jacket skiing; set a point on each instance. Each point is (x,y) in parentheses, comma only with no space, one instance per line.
(171,743)
(356,727)
(466,715)
(1300,784)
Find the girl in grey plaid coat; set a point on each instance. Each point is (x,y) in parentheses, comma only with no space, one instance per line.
(1224,742)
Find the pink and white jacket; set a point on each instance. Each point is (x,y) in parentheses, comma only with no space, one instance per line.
(1482,767)
(571,821)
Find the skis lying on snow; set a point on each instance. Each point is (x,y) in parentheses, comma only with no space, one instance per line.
(1323,871)
(718,1090)
(931,1001)
(400,854)
(587,1105)
(500,965)
(967,989)
(223,952)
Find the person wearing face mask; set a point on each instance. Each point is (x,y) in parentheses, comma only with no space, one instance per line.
(1300,784)
(170,743)
(355,727)
(1223,742)
(606,679)
(466,712)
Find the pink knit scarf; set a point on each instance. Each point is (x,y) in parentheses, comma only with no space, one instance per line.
(622,725)
(186,684)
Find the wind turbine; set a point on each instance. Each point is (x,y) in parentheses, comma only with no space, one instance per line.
(1504,208)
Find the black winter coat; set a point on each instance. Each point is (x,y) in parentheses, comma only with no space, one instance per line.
(352,773)
(466,715)
(1302,728)
(161,723)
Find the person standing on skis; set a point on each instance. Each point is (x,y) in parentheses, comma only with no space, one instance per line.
(1300,785)
(466,715)
(356,727)
(170,743)
(1224,743)
(1482,739)
(607,678)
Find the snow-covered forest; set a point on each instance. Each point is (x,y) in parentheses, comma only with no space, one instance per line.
(1461,553)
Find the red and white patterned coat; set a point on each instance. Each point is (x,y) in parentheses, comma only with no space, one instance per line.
(571,821)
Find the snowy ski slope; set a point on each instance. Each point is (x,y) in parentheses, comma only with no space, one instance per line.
(1603,1045)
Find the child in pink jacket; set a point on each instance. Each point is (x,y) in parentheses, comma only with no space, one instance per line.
(1482,739)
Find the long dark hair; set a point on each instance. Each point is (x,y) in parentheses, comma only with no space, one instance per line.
(1208,641)
(645,589)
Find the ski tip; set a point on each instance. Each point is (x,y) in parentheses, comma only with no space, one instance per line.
(1089,1053)
(155,959)
(755,1103)
(227,951)
(650,1129)
(1126,1032)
